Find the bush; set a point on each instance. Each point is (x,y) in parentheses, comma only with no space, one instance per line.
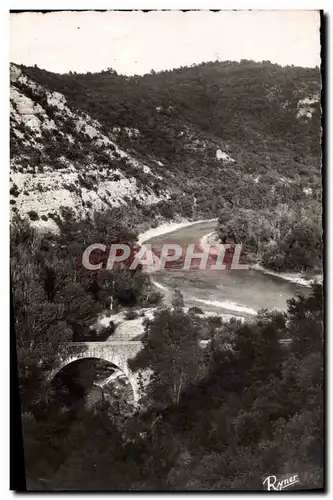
(154,298)
(106,332)
(131,314)
(86,183)
(195,310)
(72,188)
(14,191)
(33,215)
(44,217)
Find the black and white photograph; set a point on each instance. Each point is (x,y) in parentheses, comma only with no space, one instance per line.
(166,250)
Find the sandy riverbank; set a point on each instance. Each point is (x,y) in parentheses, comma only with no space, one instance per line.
(168,227)
(292,277)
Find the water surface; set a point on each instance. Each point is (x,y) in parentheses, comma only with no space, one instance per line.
(236,292)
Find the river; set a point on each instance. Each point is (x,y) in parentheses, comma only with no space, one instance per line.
(238,293)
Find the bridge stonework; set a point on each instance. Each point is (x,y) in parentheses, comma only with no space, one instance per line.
(115,352)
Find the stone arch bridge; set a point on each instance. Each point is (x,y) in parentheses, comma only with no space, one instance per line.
(115,352)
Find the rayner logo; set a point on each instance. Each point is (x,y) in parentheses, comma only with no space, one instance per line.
(272,484)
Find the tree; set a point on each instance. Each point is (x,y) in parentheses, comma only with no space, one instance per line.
(172,352)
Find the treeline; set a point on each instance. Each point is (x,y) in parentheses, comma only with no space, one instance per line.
(230,100)
(220,418)
(183,115)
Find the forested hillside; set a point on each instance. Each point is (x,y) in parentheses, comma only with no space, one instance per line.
(223,418)
(242,103)
(237,141)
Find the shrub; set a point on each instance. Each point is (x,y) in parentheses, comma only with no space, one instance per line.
(33,215)
(14,191)
(86,183)
(72,188)
(195,310)
(154,298)
(131,314)
(44,217)
(57,165)
(106,332)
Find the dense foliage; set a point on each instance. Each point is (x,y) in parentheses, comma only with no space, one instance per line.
(56,299)
(245,102)
(283,238)
(219,418)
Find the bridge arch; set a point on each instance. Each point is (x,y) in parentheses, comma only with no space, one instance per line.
(115,353)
